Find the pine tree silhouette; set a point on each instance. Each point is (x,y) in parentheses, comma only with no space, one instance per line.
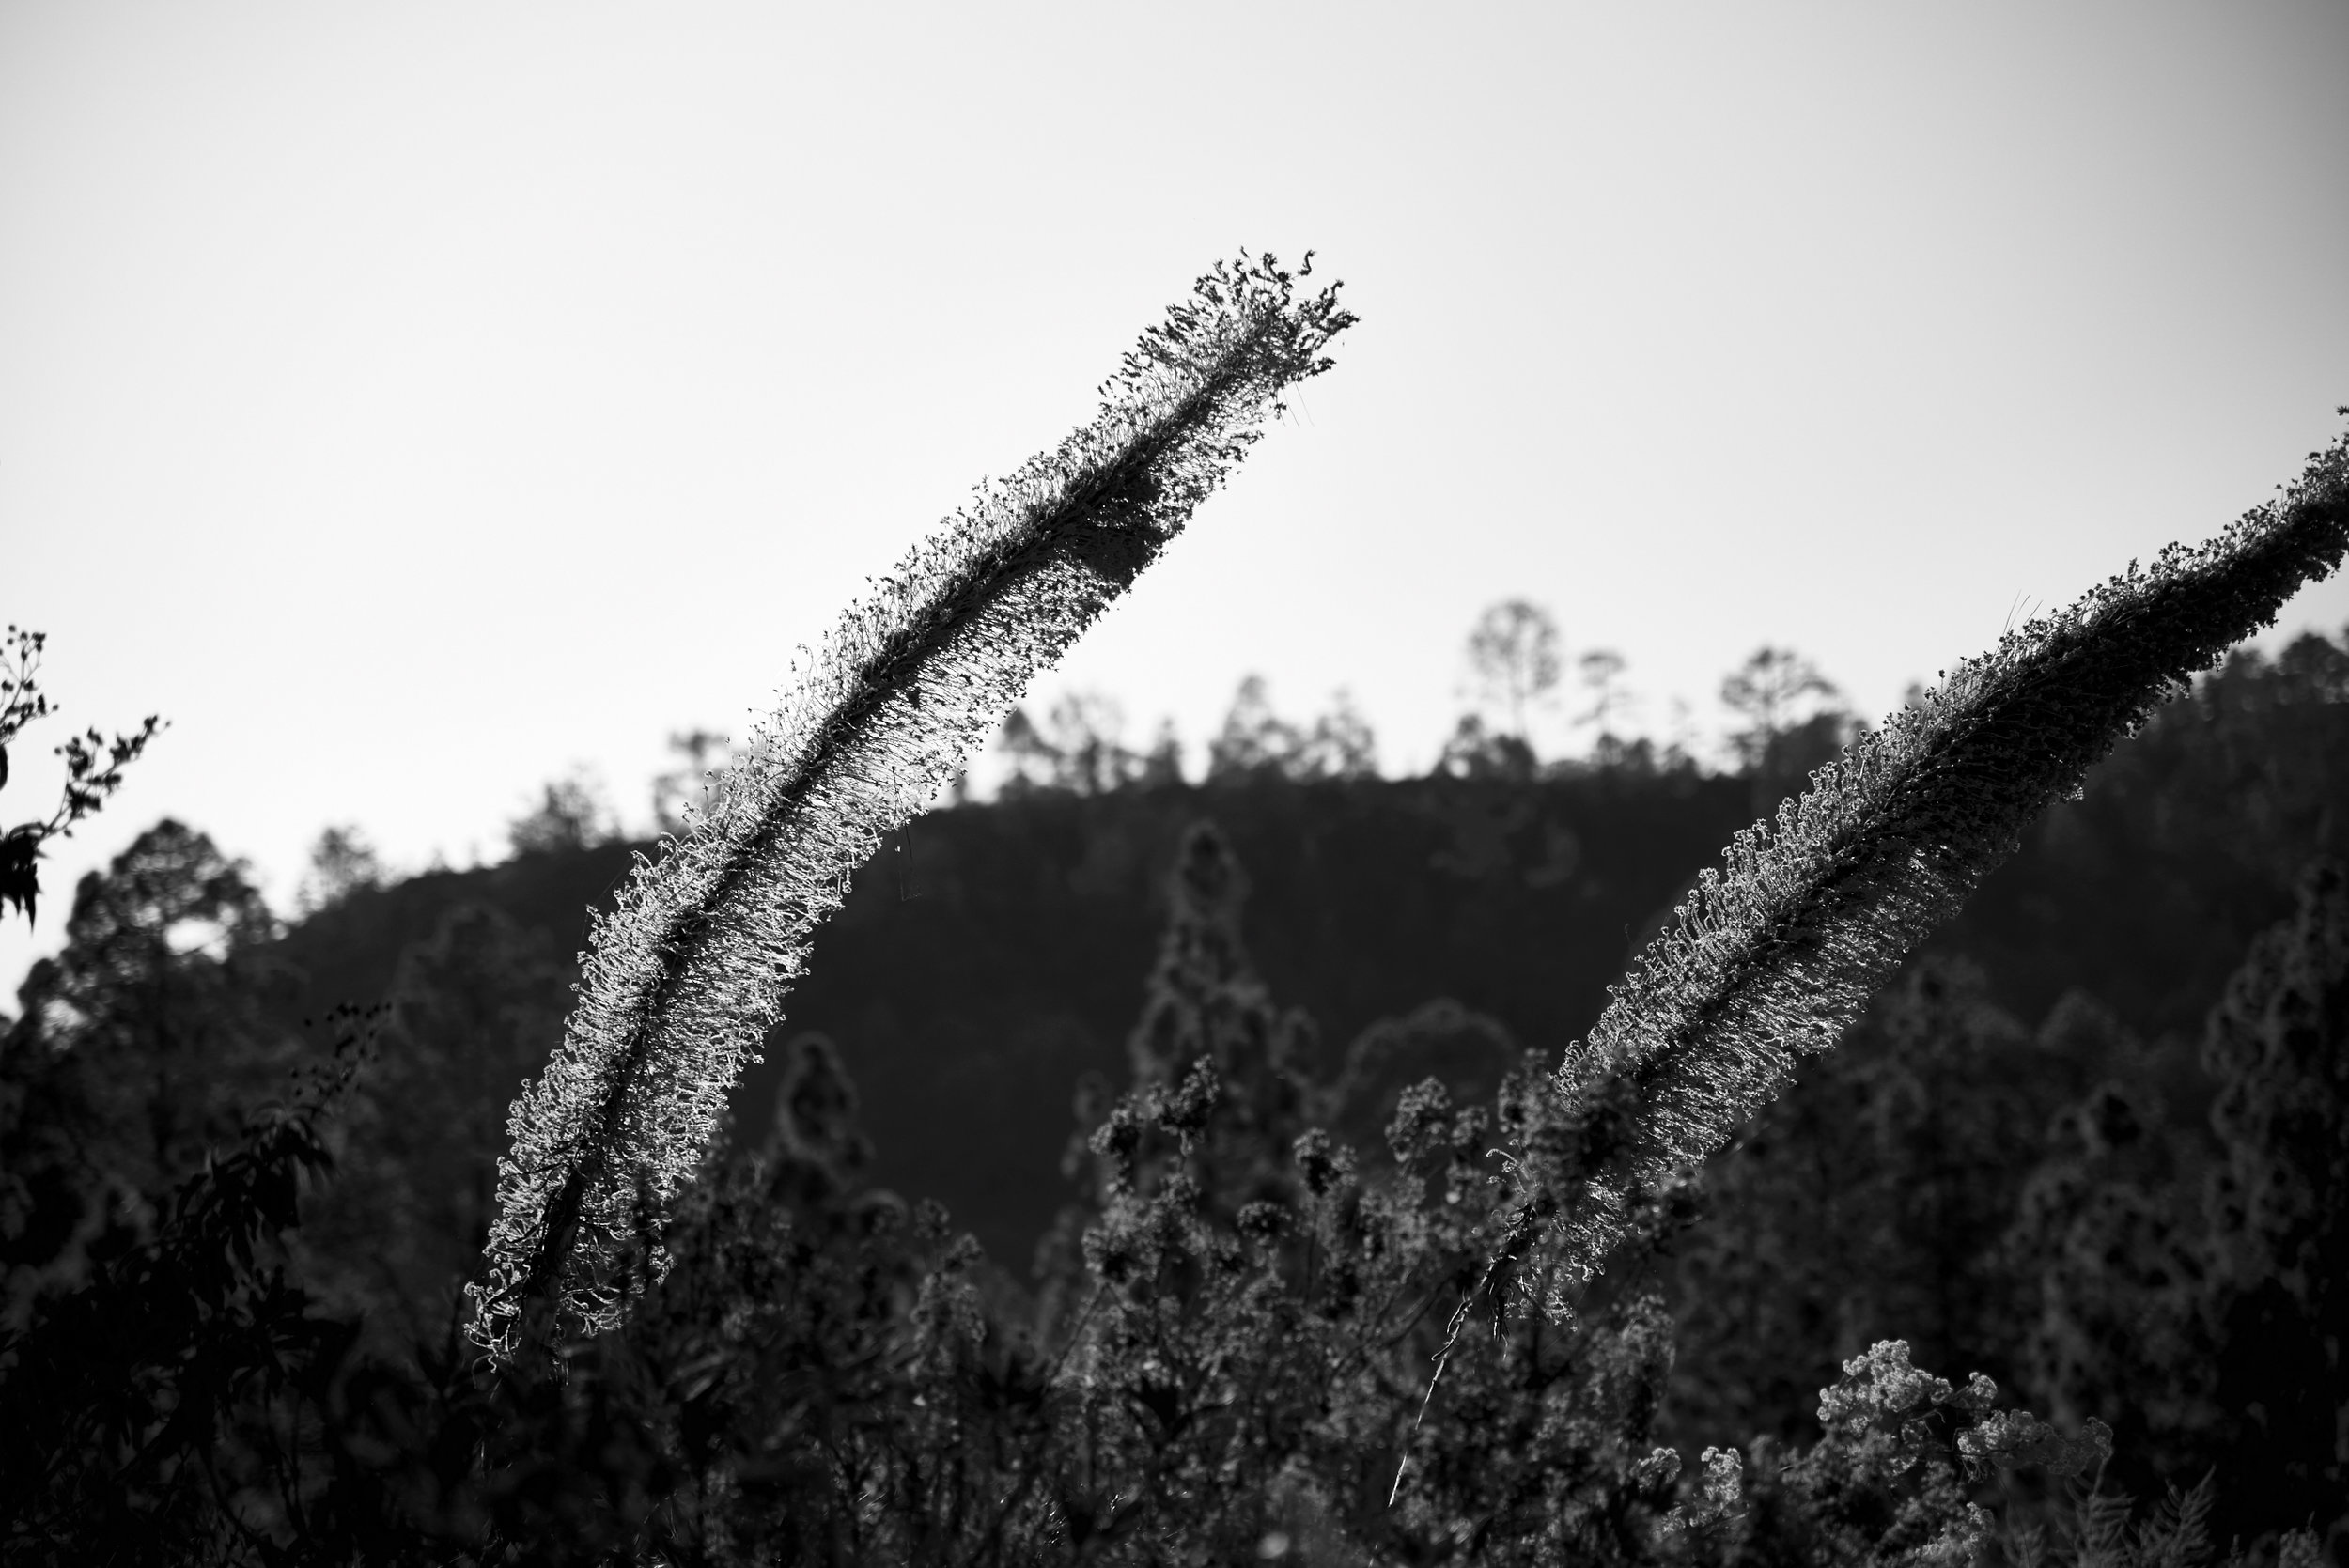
(2278,1211)
(2109,1251)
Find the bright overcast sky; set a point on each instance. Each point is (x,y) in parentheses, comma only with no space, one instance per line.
(412,401)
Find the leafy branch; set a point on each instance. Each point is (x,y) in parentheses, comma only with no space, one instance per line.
(93,768)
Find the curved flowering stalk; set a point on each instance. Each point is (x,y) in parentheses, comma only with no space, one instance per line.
(689,971)
(1777,951)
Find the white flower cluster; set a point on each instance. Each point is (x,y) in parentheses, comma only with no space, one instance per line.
(687,974)
(1776,952)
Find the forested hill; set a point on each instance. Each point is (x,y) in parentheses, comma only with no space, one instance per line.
(998,952)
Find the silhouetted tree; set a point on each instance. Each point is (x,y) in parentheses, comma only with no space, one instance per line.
(1602,676)
(571,813)
(141,1045)
(1257,742)
(342,862)
(1515,658)
(1204,1002)
(1253,738)
(2277,1206)
(2109,1249)
(1954,1099)
(1080,749)
(1767,693)
(1162,764)
(1475,751)
(1793,721)
(1340,745)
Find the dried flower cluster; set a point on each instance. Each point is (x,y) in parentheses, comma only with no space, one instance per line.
(687,974)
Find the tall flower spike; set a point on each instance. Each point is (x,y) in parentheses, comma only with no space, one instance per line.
(689,971)
(1777,951)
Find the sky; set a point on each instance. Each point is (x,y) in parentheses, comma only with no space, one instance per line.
(414,403)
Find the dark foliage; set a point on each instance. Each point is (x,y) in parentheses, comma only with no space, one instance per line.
(2184,846)
(2278,1209)
(1225,1349)
(472,1007)
(148,1407)
(994,956)
(139,1048)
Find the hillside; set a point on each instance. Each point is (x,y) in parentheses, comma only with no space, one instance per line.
(997,952)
